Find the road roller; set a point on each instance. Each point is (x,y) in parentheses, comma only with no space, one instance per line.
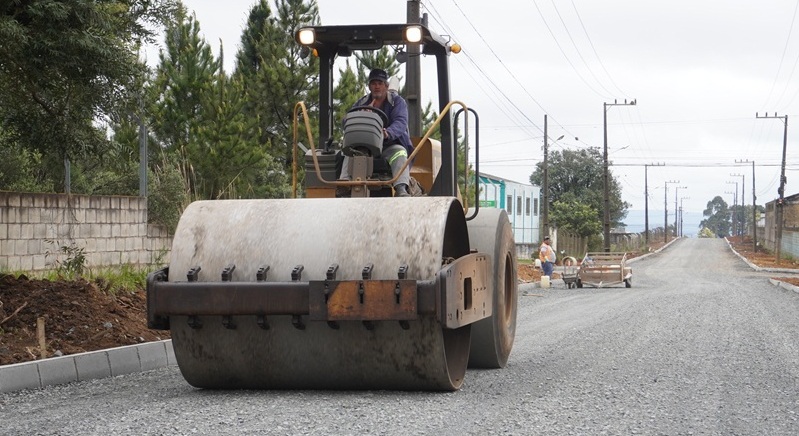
(365,292)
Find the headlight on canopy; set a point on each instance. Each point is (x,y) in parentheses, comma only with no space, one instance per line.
(306,36)
(413,34)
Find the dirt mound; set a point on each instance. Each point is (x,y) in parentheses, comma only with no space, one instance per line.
(78,316)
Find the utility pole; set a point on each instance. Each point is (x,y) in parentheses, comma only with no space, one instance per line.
(734,205)
(754,205)
(754,211)
(646,201)
(781,190)
(605,175)
(731,210)
(742,219)
(676,191)
(413,73)
(681,214)
(545,194)
(142,150)
(666,209)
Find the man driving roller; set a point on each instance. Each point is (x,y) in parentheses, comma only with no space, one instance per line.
(396,139)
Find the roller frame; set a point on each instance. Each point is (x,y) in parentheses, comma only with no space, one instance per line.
(460,295)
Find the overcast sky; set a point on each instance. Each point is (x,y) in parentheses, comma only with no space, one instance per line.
(698,69)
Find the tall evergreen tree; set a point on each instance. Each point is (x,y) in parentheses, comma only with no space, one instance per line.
(382,58)
(199,117)
(275,73)
(185,74)
(186,71)
(233,166)
(347,91)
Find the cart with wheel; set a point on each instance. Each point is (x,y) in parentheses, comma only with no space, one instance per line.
(601,269)
(569,275)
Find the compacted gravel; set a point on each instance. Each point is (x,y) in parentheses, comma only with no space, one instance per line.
(699,345)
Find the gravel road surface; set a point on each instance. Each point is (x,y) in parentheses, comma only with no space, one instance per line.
(699,345)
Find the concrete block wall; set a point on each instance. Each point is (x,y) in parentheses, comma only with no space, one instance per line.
(111,230)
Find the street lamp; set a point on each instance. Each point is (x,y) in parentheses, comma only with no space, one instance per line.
(545,187)
(666,209)
(605,176)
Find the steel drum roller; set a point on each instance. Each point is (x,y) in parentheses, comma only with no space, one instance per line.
(317,233)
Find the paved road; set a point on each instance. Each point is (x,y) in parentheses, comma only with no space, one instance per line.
(699,345)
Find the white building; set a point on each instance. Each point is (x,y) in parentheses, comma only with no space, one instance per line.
(521,201)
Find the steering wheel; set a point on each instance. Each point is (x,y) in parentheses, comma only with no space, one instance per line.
(381,114)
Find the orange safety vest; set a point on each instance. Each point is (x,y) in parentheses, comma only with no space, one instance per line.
(546,253)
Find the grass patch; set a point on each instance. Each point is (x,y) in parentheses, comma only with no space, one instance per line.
(112,280)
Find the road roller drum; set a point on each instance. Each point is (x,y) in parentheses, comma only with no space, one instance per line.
(247,345)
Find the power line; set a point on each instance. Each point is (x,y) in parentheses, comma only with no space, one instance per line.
(576,49)
(705,165)
(579,18)
(511,114)
(501,91)
(491,49)
(546,24)
(782,58)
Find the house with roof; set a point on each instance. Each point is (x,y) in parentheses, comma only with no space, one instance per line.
(522,203)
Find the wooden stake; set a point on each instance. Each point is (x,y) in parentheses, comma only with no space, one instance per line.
(40,335)
(15,312)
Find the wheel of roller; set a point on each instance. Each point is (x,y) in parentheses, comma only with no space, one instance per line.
(490,232)
(316,233)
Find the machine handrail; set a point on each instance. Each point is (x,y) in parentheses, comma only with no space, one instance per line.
(466,161)
(301,105)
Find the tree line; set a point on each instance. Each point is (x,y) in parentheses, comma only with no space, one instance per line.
(75,89)
(77,94)
(722,220)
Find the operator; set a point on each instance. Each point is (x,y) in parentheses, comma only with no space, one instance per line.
(547,256)
(396,139)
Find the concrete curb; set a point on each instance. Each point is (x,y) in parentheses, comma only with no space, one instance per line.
(784,285)
(87,366)
(757,268)
(774,282)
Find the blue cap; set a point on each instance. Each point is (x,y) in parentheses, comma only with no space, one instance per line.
(378,74)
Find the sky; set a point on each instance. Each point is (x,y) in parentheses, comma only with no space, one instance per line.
(698,70)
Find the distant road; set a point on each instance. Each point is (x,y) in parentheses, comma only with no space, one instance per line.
(699,345)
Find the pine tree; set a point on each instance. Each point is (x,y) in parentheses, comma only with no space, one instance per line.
(186,70)
(275,75)
(198,117)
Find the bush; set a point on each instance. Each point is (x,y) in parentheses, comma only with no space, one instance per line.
(167,196)
(73,264)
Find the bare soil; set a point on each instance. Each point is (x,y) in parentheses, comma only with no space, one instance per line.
(764,258)
(80,315)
